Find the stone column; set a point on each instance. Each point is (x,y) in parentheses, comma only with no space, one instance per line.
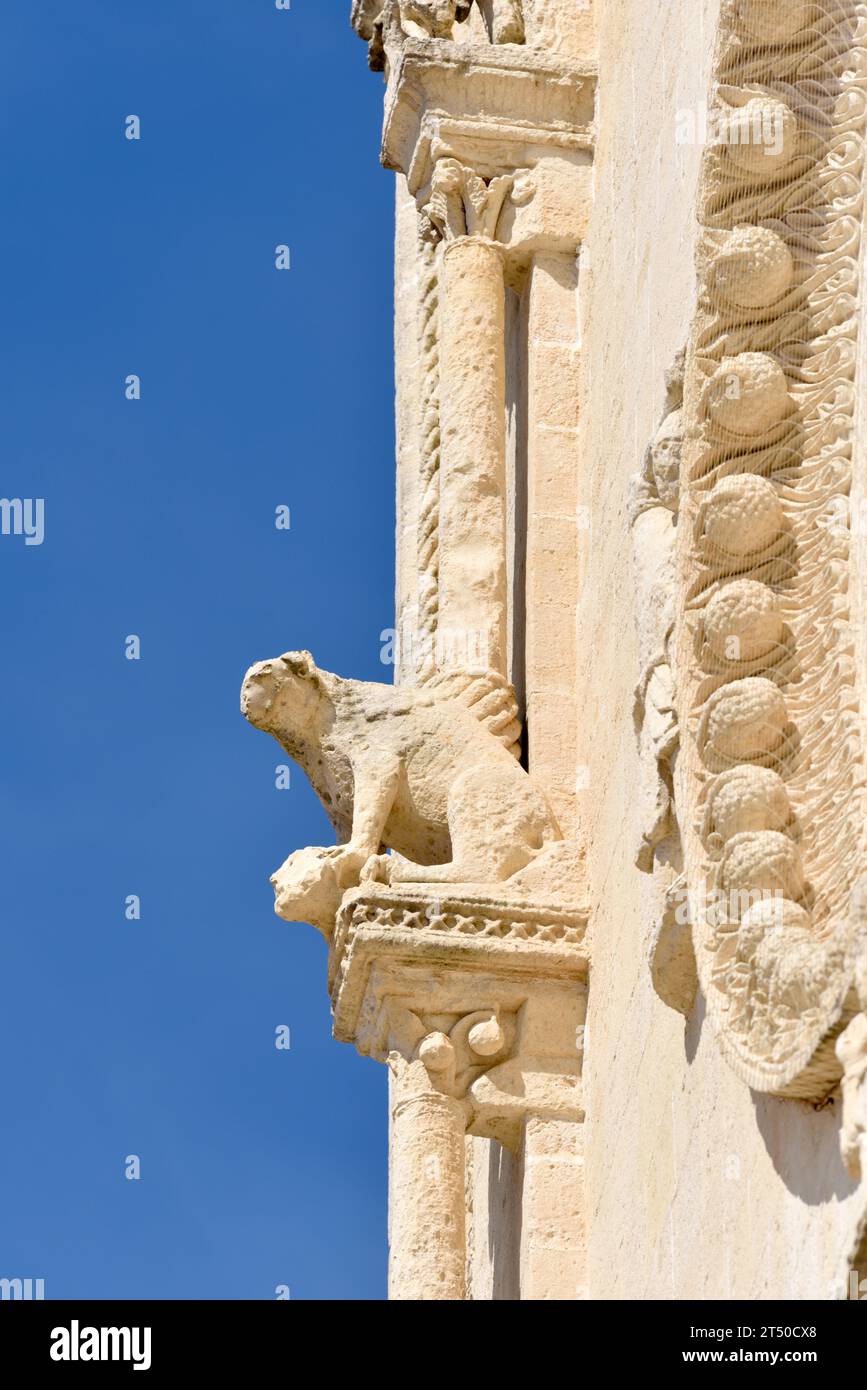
(472,565)
(464,210)
(477,1006)
(427,1255)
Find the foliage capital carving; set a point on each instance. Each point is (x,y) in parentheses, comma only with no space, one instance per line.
(463,204)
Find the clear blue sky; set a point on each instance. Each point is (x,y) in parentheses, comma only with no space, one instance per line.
(259,388)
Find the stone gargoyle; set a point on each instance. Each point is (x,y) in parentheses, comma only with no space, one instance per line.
(428,772)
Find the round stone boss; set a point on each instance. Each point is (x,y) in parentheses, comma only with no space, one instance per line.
(752,269)
(743,799)
(741,516)
(743,721)
(742,621)
(748,394)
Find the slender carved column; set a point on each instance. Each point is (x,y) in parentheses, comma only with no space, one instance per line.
(473,467)
(464,211)
(427,1257)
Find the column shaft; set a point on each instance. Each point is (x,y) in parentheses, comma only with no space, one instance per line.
(472,554)
(427,1259)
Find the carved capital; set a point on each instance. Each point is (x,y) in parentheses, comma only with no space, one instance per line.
(454,1051)
(463,204)
(478,1000)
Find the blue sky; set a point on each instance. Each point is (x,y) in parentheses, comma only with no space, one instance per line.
(259,127)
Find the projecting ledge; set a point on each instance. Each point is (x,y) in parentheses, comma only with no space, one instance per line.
(487,992)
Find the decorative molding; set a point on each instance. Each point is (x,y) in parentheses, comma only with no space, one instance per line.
(464,926)
(427,529)
(770,779)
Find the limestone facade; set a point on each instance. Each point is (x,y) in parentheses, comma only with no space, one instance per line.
(598,897)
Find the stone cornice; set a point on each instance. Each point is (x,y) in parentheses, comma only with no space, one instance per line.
(512,96)
(495,933)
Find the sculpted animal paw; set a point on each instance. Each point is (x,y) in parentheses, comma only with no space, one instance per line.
(377,869)
(347,862)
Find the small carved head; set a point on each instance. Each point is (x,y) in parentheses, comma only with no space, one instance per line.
(307,889)
(665,459)
(281,695)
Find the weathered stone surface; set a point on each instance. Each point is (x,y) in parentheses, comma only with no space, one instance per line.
(601,849)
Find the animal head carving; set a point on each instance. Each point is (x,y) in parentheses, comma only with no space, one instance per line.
(308,888)
(284,691)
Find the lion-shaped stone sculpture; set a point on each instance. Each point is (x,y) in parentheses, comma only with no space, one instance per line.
(430,773)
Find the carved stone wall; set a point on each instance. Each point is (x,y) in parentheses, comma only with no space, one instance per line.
(732,1182)
(771,773)
(598,897)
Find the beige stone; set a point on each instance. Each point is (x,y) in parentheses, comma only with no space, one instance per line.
(599,882)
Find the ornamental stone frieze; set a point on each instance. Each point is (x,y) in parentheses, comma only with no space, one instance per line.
(769,783)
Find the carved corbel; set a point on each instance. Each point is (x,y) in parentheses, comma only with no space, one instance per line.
(498,1027)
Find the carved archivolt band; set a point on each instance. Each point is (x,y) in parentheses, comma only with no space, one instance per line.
(770,783)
